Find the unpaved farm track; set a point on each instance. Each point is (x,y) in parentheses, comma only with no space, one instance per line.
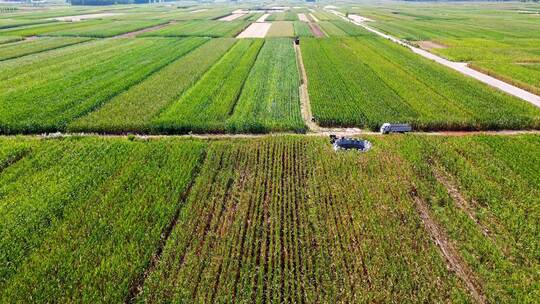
(448,251)
(305,105)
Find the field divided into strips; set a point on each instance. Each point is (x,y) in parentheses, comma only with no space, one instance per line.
(301,29)
(270,99)
(9,23)
(267,222)
(485,190)
(44,29)
(367,81)
(206,107)
(281,29)
(204,28)
(108,29)
(24,48)
(284,16)
(9,39)
(264,220)
(77,79)
(135,109)
(82,218)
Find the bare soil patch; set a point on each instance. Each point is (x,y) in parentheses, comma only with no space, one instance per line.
(303,17)
(305,105)
(255,30)
(429,45)
(313,17)
(84,17)
(231,17)
(359,18)
(316,30)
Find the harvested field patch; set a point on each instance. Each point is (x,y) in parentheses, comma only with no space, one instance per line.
(232,17)
(85,17)
(256,30)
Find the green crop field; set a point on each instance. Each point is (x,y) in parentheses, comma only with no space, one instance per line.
(287,16)
(209,103)
(264,220)
(301,29)
(502,40)
(156,153)
(107,29)
(367,81)
(45,29)
(270,98)
(8,39)
(201,28)
(24,48)
(76,80)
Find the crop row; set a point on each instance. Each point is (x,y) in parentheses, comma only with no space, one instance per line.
(82,218)
(367,81)
(107,29)
(270,99)
(77,79)
(15,50)
(136,109)
(209,103)
(204,28)
(265,220)
(485,190)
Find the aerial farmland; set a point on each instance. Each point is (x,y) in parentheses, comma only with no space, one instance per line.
(269,152)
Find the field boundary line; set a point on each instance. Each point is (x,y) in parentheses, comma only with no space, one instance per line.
(323,132)
(451,255)
(305,104)
(137,285)
(461,67)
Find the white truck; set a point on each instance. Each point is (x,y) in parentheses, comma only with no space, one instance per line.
(395,128)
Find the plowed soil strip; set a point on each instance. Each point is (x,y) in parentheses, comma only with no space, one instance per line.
(148,29)
(138,283)
(304,96)
(316,30)
(448,251)
(255,30)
